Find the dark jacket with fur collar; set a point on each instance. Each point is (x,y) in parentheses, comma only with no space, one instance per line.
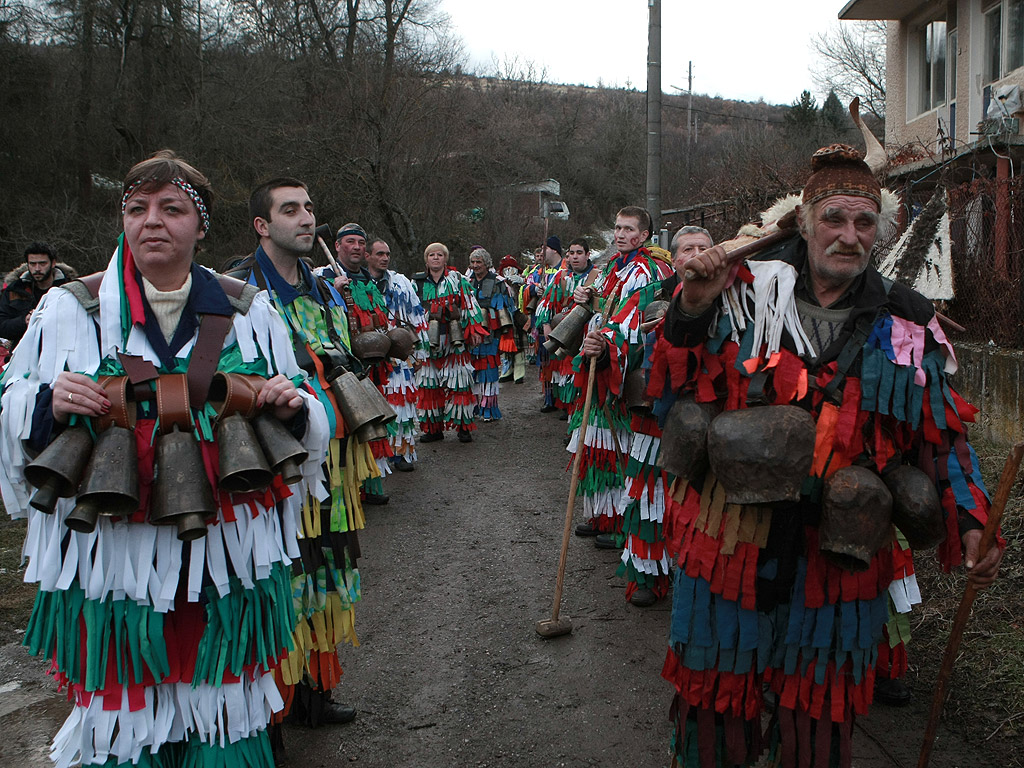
(21,295)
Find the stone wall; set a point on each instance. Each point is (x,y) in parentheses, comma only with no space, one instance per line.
(992,379)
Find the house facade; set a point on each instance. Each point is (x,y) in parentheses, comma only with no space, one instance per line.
(946,62)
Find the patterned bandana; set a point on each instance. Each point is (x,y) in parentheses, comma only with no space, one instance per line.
(184,186)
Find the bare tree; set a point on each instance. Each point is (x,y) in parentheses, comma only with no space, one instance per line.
(852,63)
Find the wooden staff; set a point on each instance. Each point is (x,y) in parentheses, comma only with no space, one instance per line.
(555,626)
(963,613)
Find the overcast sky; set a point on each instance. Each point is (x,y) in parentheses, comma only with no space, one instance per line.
(740,49)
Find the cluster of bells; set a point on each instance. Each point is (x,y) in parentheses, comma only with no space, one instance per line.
(104,477)
(253,448)
(456,338)
(763,455)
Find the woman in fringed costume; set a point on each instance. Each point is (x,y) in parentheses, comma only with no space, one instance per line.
(781,595)
(537,281)
(618,347)
(166,645)
(493,298)
(445,380)
(326,583)
(404,309)
(513,346)
(557,298)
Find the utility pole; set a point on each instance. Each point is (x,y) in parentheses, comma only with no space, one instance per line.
(654,114)
(689,119)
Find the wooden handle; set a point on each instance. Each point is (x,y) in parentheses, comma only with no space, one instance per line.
(963,613)
(748,249)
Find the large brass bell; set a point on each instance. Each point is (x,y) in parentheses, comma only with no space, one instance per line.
(434,333)
(111,482)
(633,389)
(455,337)
(371,346)
(83,517)
(57,471)
(356,407)
(243,467)
(504,319)
(282,450)
(570,331)
(384,414)
(916,509)
(182,494)
(684,438)
(856,517)
(403,342)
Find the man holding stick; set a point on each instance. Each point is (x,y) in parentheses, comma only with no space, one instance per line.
(784,568)
(617,346)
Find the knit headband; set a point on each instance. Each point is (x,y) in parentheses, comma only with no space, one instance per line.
(184,186)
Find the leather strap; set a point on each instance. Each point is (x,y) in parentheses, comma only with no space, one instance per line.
(172,402)
(116,388)
(213,329)
(232,393)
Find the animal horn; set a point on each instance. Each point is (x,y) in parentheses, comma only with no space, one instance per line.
(875,155)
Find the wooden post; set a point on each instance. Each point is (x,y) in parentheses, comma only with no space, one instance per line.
(1002,234)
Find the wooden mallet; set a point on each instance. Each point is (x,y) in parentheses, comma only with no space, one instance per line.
(556,626)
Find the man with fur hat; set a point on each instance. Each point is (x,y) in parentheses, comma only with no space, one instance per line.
(25,286)
(537,282)
(806,350)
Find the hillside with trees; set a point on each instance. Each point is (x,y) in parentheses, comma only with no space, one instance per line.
(367,101)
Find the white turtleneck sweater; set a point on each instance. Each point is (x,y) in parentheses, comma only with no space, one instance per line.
(167,305)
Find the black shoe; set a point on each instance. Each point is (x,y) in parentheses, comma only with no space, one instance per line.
(643,598)
(548,409)
(464,436)
(402,464)
(895,693)
(431,437)
(337,714)
(563,416)
(607,541)
(587,529)
(376,499)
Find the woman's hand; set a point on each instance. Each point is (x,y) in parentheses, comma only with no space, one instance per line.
(280,394)
(76,393)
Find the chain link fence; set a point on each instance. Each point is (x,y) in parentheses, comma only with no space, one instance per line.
(987,242)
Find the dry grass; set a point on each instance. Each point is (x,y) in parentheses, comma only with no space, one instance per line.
(15,596)
(986,690)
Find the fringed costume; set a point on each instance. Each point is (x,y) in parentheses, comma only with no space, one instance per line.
(326,585)
(645,562)
(602,486)
(445,380)
(368,313)
(493,297)
(557,298)
(538,280)
(756,604)
(167,647)
(404,308)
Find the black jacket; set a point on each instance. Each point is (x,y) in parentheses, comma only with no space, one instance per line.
(22,296)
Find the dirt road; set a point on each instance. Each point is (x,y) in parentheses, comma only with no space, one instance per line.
(456,571)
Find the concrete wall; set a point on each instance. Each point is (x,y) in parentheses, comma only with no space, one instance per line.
(993,380)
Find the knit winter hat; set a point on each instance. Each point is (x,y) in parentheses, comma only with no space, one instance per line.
(554,244)
(508,261)
(839,169)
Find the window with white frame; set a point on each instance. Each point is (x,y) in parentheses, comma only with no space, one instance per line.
(1003,26)
(928,67)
